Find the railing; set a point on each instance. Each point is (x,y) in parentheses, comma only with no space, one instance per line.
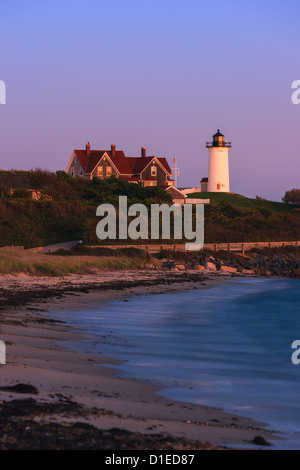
(231,247)
(218,144)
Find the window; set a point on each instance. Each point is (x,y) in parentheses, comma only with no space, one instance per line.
(100,170)
(72,171)
(153,171)
(108,171)
(81,172)
(219,186)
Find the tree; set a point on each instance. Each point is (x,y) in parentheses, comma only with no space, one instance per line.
(292,197)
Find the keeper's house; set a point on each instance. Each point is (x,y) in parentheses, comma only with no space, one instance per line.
(150,171)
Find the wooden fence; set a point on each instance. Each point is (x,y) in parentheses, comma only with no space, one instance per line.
(231,247)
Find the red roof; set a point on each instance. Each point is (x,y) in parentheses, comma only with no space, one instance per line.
(175,192)
(125,165)
(88,163)
(139,164)
(164,162)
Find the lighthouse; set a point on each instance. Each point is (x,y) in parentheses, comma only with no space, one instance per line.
(218,170)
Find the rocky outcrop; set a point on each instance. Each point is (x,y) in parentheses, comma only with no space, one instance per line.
(297,274)
(277,264)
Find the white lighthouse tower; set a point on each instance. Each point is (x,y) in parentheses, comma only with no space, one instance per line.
(218,171)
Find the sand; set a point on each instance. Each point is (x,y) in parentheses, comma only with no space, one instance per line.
(36,355)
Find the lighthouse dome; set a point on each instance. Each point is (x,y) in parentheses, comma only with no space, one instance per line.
(218,134)
(218,139)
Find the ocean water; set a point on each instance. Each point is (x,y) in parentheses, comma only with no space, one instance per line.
(227,346)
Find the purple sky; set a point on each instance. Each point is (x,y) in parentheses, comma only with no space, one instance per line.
(164,74)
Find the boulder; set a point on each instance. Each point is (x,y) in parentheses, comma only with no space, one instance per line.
(260,441)
(247,271)
(180,267)
(228,269)
(168,263)
(200,267)
(297,274)
(210,266)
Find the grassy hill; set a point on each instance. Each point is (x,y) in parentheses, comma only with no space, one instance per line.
(238,201)
(67,206)
(234,218)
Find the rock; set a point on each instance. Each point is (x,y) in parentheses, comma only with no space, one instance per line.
(210,266)
(200,267)
(260,441)
(169,263)
(297,274)
(21,388)
(247,271)
(180,267)
(228,269)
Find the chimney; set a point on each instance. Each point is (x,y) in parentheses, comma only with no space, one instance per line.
(88,149)
(143,152)
(113,150)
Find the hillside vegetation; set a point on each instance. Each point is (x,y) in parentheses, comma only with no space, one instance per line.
(236,200)
(66,210)
(235,218)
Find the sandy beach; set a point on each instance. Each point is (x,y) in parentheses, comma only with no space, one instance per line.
(52,397)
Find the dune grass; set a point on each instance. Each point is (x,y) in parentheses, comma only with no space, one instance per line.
(237,200)
(37,264)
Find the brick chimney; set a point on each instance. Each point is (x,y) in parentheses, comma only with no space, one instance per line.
(88,149)
(143,152)
(113,151)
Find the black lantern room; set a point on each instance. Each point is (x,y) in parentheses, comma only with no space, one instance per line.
(218,141)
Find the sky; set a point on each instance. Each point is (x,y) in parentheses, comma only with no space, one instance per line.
(163,74)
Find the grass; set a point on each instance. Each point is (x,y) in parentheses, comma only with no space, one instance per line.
(239,201)
(37,264)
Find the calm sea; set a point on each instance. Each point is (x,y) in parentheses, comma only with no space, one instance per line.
(228,346)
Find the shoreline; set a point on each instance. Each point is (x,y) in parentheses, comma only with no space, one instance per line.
(106,401)
(21,289)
